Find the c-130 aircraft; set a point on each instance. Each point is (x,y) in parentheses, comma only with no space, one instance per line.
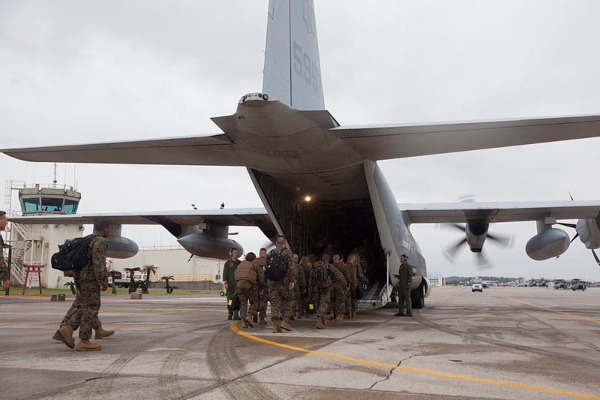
(285,137)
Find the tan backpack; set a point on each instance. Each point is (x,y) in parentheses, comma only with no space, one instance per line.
(245,275)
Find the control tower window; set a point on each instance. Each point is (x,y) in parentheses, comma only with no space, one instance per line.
(70,206)
(51,205)
(32,204)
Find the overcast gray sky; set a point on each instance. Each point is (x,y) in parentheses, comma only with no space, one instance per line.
(95,71)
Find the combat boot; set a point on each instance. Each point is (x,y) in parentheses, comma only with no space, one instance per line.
(237,317)
(102,333)
(86,345)
(248,321)
(321,323)
(338,318)
(262,321)
(276,328)
(65,335)
(285,324)
(244,323)
(331,315)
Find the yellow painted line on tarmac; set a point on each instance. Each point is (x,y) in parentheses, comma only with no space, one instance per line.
(595,321)
(234,328)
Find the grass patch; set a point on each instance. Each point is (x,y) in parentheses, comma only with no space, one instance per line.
(16,291)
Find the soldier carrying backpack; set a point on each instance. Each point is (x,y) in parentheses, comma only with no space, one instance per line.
(281,288)
(319,288)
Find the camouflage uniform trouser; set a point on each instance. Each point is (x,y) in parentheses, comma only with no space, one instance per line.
(321,298)
(298,300)
(337,299)
(83,313)
(74,307)
(245,296)
(352,297)
(282,299)
(262,303)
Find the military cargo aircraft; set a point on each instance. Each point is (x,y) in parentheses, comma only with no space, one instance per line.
(284,137)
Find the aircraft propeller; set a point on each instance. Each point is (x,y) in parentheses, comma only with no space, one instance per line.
(481,259)
(576,236)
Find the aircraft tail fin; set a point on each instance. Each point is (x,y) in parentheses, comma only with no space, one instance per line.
(292,70)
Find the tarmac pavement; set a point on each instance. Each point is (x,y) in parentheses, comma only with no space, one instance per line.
(504,343)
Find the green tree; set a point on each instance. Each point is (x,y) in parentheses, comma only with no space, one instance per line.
(148,270)
(132,284)
(113,274)
(167,278)
(71,286)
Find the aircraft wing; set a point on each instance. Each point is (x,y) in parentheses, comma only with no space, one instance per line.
(499,212)
(217,150)
(399,141)
(171,220)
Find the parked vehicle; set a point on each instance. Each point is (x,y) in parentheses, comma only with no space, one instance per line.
(477,287)
(576,284)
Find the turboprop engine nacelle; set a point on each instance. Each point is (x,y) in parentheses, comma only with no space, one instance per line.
(551,242)
(203,244)
(120,247)
(589,232)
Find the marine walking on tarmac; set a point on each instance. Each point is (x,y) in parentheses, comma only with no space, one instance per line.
(281,291)
(249,282)
(263,298)
(89,280)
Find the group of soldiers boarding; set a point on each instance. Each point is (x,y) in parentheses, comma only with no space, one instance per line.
(325,286)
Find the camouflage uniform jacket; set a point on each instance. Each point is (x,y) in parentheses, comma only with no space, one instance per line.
(300,281)
(259,263)
(95,271)
(343,268)
(3,267)
(356,274)
(338,277)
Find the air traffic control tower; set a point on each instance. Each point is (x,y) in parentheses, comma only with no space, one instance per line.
(35,244)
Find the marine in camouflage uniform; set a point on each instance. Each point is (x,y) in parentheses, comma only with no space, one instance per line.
(339,286)
(263,298)
(229,281)
(281,292)
(355,277)
(321,295)
(338,262)
(250,295)
(305,267)
(4,276)
(92,279)
(299,289)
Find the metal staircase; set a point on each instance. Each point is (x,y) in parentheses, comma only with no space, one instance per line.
(21,240)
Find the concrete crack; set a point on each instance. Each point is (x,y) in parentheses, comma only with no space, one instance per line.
(387,376)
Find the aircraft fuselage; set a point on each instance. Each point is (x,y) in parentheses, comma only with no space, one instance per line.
(291,154)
